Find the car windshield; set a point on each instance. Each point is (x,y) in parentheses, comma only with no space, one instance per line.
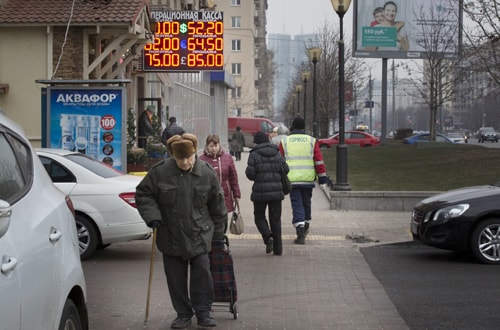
(94,166)
(455,135)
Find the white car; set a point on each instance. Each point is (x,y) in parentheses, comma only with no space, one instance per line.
(456,137)
(42,284)
(104,199)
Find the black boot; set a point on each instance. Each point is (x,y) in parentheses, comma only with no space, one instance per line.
(301,238)
(306,229)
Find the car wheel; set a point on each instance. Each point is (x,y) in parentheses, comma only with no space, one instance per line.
(103,246)
(485,241)
(70,319)
(88,239)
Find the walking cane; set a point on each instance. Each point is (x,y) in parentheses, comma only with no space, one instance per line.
(151,263)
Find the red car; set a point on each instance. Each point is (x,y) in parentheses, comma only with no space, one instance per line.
(351,137)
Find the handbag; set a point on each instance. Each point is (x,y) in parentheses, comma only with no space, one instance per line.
(236,226)
(285,182)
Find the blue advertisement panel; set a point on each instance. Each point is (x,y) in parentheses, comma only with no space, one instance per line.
(89,120)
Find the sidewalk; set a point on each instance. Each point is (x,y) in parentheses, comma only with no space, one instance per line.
(324,284)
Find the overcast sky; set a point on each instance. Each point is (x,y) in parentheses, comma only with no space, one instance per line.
(302,16)
(308,16)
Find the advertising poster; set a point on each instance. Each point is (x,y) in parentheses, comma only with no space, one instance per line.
(88,120)
(403,28)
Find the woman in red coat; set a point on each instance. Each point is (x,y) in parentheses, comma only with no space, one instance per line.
(223,165)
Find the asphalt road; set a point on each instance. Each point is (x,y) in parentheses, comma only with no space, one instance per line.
(437,289)
(484,144)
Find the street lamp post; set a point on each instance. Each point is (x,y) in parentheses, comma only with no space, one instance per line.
(314,54)
(305,78)
(341,7)
(298,89)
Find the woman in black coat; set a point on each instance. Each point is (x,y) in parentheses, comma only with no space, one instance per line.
(264,168)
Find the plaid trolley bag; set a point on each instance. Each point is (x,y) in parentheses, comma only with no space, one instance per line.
(221,265)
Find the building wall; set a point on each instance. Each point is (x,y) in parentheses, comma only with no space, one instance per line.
(28,54)
(23,59)
(248,102)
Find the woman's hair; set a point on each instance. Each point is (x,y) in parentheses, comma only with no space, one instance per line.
(391,3)
(213,138)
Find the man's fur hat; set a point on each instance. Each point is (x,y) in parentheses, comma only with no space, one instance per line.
(182,146)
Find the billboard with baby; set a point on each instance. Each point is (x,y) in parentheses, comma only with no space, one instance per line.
(407,28)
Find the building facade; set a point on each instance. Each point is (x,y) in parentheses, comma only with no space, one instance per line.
(246,56)
(101,42)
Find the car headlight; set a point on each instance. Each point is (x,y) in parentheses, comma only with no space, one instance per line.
(447,213)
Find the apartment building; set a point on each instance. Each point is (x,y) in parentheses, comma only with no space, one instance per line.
(244,45)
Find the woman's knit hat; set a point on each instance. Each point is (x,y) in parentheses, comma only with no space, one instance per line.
(182,146)
(260,137)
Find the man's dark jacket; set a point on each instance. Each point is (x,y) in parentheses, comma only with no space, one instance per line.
(190,206)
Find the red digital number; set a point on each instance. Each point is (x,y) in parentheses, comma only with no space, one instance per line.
(167,28)
(162,60)
(215,28)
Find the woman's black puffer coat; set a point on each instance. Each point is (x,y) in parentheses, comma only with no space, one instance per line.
(264,166)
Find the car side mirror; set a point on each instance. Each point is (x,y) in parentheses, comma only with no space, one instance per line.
(5,212)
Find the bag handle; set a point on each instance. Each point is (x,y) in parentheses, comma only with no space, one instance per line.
(236,206)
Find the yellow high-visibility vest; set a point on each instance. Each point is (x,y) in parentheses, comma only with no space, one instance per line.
(299,153)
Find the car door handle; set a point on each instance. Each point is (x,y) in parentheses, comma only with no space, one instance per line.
(8,264)
(55,235)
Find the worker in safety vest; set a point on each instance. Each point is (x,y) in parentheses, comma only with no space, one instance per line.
(305,161)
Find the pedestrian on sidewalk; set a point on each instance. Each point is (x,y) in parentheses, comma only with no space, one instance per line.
(171,130)
(223,164)
(182,199)
(264,169)
(145,128)
(237,143)
(305,161)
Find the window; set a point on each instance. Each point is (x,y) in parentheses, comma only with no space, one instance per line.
(236,92)
(235,2)
(17,168)
(56,171)
(236,21)
(236,68)
(236,45)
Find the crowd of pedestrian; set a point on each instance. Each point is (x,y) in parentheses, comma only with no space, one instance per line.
(186,199)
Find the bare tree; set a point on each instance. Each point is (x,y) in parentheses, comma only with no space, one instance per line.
(482,33)
(436,77)
(328,76)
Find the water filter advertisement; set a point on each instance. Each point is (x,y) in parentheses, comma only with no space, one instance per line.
(88,120)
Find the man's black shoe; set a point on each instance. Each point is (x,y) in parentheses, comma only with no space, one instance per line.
(181,323)
(269,245)
(207,322)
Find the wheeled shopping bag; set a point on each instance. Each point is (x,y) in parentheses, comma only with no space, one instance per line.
(221,265)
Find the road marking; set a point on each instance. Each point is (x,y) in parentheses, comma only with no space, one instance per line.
(289,237)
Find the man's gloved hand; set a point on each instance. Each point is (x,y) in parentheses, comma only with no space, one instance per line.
(155,224)
(323,180)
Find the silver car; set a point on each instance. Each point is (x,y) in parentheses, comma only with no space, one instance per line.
(42,284)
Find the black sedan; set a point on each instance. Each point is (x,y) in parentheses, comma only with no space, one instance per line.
(463,220)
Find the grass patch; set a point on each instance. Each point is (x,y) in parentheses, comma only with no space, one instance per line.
(433,167)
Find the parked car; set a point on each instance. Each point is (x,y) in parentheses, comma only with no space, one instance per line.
(487,134)
(463,220)
(104,199)
(42,283)
(425,137)
(456,137)
(351,137)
